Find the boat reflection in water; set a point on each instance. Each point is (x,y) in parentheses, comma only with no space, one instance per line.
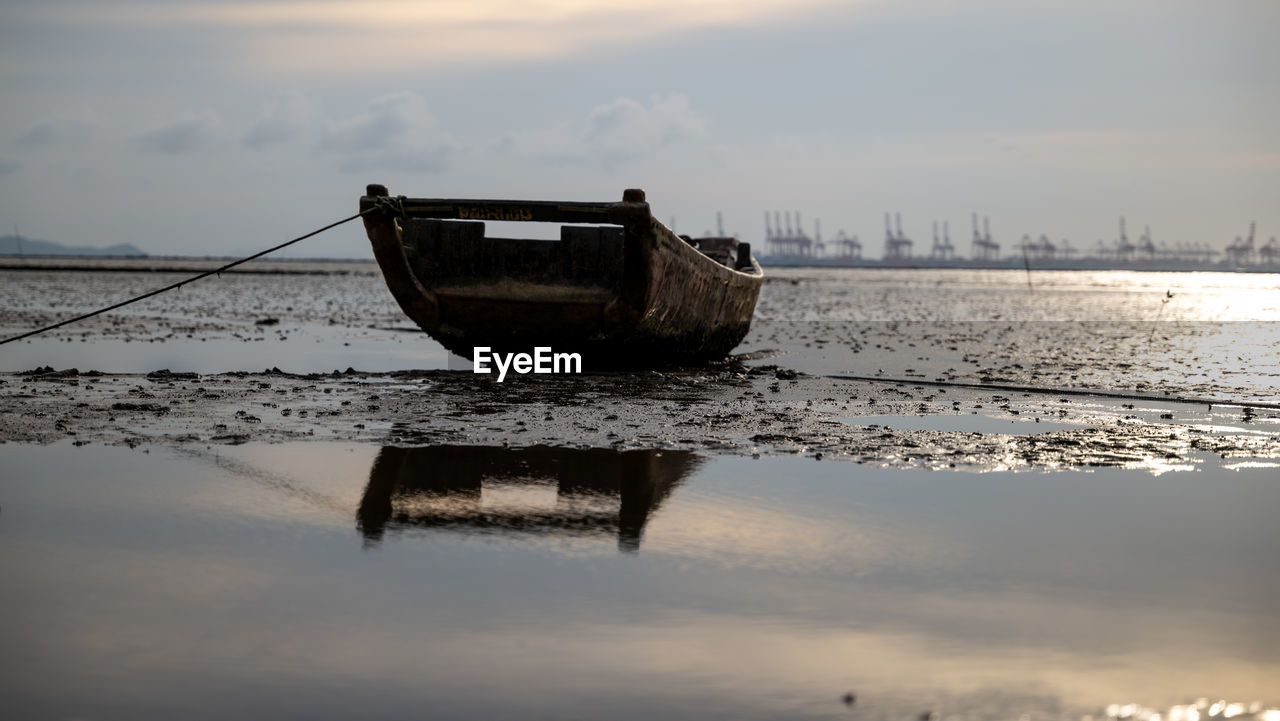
(539,490)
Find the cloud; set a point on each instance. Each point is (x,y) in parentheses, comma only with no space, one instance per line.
(41,134)
(179,137)
(627,127)
(270,131)
(284,118)
(613,134)
(65,131)
(324,37)
(395,132)
(9,167)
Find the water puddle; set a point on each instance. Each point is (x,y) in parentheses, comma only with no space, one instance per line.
(325,580)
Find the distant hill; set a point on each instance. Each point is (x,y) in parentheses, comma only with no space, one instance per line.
(22,245)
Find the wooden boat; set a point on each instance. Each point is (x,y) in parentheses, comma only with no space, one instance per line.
(618,287)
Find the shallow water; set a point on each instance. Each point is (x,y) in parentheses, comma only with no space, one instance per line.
(339,581)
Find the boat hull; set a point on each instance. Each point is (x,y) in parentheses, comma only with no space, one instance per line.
(627,291)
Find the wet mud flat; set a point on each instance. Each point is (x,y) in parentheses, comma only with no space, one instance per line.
(837,365)
(892,368)
(763,410)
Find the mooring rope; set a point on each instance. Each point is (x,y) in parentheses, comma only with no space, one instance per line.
(378,206)
(1064,391)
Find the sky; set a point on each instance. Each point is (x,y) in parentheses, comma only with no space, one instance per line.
(192,127)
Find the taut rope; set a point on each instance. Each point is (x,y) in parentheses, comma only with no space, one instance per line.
(380,207)
(1063,391)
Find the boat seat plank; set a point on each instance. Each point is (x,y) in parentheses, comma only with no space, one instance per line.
(460,252)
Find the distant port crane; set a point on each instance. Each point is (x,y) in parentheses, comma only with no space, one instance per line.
(848,247)
(1145,247)
(787,241)
(984,248)
(897,246)
(1124,247)
(1269,254)
(1039,249)
(942,248)
(1240,251)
